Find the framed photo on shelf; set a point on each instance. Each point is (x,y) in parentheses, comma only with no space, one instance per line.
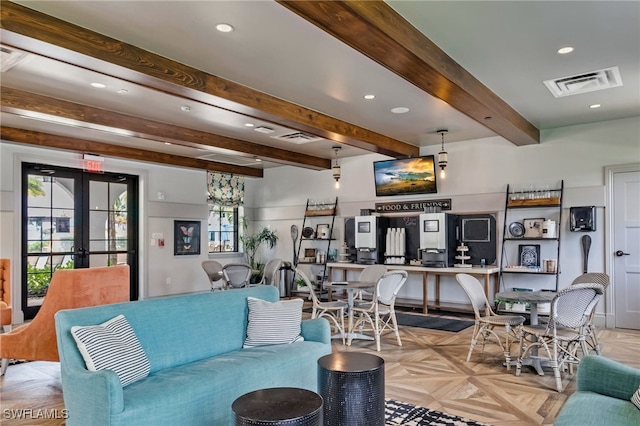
(309,255)
(186,237)
(533,228)
(529,255)
(322,231)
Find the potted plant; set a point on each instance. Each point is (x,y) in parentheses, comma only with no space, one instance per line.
(251,244)
(301,285)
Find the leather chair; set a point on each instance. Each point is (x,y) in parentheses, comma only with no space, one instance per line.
(5,294)
(68,289)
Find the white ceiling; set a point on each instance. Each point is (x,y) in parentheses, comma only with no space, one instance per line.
(510,46)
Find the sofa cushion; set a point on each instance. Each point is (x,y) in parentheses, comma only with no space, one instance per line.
(273,323)
(590,408)
(112,345)
(636,398)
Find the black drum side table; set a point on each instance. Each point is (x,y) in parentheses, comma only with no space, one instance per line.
(352,387)
(278,406)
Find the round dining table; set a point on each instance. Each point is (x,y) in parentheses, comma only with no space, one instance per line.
(534,298)
(351,287)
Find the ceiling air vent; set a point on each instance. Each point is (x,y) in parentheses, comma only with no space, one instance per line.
(586,82)
(9,57)
(298,137)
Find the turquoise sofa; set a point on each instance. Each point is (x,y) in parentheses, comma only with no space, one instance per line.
(198,365)
(603,396)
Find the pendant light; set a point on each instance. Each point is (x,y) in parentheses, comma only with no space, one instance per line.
(335,169)
(442,155)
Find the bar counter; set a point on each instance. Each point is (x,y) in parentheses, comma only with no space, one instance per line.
(484,274)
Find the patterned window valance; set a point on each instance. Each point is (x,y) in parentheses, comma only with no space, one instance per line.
(225,189)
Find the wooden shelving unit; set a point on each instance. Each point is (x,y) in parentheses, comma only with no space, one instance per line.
(312,216)
(549,202)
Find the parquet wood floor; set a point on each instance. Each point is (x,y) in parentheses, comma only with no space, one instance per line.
(428,370)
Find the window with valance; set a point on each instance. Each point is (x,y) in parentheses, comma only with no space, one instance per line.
(225,197)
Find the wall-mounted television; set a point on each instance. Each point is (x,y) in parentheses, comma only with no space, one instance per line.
(405,176)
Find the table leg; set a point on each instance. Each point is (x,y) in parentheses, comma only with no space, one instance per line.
(486,286)
(534,361)
(437,283)
(350,333)
(425,278)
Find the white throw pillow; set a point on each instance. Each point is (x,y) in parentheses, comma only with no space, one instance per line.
(112,345)
(273,323)
(635,398)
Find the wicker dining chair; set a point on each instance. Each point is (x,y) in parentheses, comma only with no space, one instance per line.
(269,272)
(561,336)
(333,311)
(237,275)
(485,325)
(213,269)
(371,273)
(589,329)
(380,313)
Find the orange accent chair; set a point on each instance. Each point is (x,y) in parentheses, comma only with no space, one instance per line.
(5,294)
(69,289)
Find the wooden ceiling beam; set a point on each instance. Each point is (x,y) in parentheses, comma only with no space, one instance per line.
(22,102)
(36,32)
(374,29)
(83,146)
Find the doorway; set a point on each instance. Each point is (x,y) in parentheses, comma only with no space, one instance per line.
(624,245)
(75,219)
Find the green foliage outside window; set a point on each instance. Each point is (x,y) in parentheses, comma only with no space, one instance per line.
(38,279)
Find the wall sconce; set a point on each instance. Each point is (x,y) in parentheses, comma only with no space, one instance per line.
(442,155)
(335,169)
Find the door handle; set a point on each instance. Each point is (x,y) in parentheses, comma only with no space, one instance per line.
(621,253)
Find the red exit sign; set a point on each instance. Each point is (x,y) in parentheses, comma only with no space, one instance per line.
(93,163)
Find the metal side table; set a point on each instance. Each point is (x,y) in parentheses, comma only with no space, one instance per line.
(278,406)
(352,387)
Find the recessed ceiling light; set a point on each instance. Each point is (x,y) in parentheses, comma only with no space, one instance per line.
(185,108)
(99,85)
(399,110)
(224,28)
(565,50)
(123,91)
(264,129)
(167,143)
(258,160)
(369,96)
(595,106)
(249,124)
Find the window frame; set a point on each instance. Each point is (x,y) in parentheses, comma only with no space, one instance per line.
(235,231)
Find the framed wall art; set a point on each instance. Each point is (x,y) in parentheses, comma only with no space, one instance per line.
(529,255)
(322,231)
(533,228)
(186,236)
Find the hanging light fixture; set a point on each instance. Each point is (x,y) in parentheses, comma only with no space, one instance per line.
(335,169)
(442,155)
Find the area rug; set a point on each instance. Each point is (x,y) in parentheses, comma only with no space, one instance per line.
(402,413)
(434,323)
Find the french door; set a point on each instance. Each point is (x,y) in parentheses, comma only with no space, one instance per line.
(75,219)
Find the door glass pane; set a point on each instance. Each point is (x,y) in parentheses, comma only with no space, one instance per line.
(50,231)
(98,195)
(98,260)
(99,221)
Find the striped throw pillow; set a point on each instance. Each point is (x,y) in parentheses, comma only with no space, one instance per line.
(112,345)
(273,323)
(635,398)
